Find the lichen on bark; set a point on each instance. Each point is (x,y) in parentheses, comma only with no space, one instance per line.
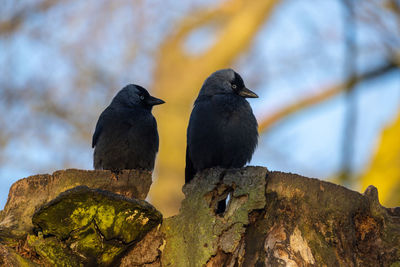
(28,194)
(197,233)
(279,219)
(238,217)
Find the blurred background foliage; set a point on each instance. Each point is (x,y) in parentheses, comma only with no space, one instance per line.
(327,73)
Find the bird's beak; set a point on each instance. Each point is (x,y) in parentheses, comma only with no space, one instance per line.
(152,101)
(247,93)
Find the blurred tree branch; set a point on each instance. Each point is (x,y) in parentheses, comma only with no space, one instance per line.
(269,121)
(349,69)
(15,22)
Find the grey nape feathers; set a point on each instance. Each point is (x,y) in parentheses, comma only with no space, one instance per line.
(126,134)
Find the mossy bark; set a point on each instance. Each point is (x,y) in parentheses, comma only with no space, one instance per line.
(279,219)
(28,194)
(91,225)
(243,217)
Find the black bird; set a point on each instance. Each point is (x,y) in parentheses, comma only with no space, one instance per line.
(222,128)
(126,134)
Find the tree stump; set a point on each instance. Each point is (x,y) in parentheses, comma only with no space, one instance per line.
(251,217)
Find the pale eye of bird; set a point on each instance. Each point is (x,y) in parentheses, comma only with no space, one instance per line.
(234,86)
(141,97)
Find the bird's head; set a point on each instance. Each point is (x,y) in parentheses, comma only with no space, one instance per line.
(226,81)
(135,96)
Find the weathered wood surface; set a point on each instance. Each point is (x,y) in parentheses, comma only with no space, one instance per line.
(270,219)
(28,194)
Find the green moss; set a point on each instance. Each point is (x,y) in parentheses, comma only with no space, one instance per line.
(66,215)
(96,224)
(24,262)
(86,241)
(105,216)
(54,251)
(109,254)
(197,223)
(82,216)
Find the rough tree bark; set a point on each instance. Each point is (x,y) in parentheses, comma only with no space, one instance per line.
(243,217)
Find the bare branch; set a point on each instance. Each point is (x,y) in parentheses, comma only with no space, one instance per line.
(14,23)
(324,95)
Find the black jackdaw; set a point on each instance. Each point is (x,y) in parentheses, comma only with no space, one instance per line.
(222,128)
(126,134)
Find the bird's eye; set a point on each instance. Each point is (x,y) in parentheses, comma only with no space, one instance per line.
(142,97)
(234,86)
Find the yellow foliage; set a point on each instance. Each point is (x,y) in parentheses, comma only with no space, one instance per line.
(384,170)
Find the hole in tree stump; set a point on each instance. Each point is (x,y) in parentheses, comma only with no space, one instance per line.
(223,204)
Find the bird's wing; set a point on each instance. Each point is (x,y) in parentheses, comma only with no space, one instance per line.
(189,169)
(99,127)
